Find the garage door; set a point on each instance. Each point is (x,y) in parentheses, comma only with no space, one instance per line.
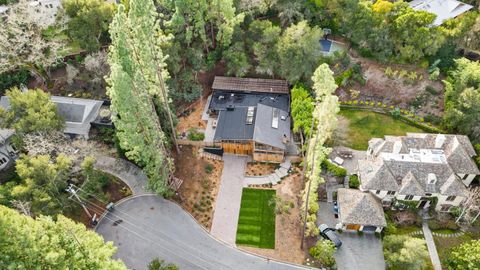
(369,228)
(354,227)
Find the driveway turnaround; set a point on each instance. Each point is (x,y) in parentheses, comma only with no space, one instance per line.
(227,205)
(359,252)
(153,227)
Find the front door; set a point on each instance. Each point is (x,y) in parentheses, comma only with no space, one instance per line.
(422,204)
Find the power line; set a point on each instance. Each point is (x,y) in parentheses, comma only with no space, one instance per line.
(144,238)
(153,231)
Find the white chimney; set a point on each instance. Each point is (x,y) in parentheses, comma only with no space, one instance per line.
(432,178)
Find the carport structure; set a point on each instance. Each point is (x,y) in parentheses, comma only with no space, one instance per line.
(360,211)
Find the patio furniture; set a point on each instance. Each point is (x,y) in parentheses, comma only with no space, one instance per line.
(338,160)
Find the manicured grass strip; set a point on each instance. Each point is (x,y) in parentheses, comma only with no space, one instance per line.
(256,223)
(365,125)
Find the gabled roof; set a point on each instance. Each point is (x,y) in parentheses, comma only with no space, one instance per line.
(376,176)
(459,159)
(453,187)
(264,132)
(78,113)
(444,9)
(357,207)
(250,85)
(411,186)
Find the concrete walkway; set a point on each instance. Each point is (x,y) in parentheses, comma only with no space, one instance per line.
(273,178)
(128,172)
(227,205)
(431,246)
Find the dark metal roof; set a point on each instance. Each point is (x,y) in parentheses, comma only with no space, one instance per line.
(234,84)
(232,125)
(265,133)
(221,100)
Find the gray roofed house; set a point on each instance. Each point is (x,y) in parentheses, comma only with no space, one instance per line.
(360,210)
(250,117)
(443,9)
(78,113)
(417,166)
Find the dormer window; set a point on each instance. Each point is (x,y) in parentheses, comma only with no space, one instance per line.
(432,178)
(3,161)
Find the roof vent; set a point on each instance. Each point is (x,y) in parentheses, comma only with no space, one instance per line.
(432,178)
(283,117)
(230,108)
(439,140)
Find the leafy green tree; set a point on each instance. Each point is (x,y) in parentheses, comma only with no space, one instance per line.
(136,80)
(265,37)
(42,184)
(405,252)
(31,111)
(302,105)
(462,99)
(464,257)
(323,251)
(88,21)
(237,61)
(157,264)
(299,51)
(11,79)
(42,243)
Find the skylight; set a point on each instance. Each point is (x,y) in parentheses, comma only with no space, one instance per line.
(250,115)
(275,118)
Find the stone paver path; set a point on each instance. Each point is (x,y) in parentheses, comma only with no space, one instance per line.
(128,172)
(273,178)
(227,205)
(431,247)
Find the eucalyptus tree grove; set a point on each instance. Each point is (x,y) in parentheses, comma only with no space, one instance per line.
(137,83)
(325,121)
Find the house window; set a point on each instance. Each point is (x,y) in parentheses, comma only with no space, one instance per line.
(450,198)
(3,161)
(409,197)
(445,207)
(465,177)
(378,192)
(391,193)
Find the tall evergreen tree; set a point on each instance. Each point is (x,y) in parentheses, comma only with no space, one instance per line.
(136,81)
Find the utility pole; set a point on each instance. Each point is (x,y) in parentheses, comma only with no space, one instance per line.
(74,194)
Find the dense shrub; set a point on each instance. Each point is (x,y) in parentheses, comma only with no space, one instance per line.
(353,181)
(194,135)
(323,251)
(334,169)
(209,168)
(13,78)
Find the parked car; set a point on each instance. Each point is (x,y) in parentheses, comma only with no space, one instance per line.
(329,234)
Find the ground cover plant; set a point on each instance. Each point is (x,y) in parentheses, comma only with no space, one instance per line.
(363,125)
(256,224)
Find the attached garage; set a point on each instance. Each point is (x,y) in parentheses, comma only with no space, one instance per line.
(360,211)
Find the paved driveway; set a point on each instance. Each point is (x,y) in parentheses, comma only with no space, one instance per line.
(357,252)
(154,227)
(227,205)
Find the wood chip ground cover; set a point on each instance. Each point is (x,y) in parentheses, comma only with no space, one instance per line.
(256,223)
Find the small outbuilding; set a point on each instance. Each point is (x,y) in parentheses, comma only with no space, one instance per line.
(443,9)
(360,211)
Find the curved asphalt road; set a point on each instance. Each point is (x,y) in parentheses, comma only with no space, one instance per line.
(154,227)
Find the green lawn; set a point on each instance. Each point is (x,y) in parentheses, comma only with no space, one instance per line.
(363,125)
(256,224)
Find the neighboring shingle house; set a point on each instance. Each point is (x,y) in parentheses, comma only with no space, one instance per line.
(78,113)
(360,211)
(418,167)
(8,152)
(252,117)
(444,9)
